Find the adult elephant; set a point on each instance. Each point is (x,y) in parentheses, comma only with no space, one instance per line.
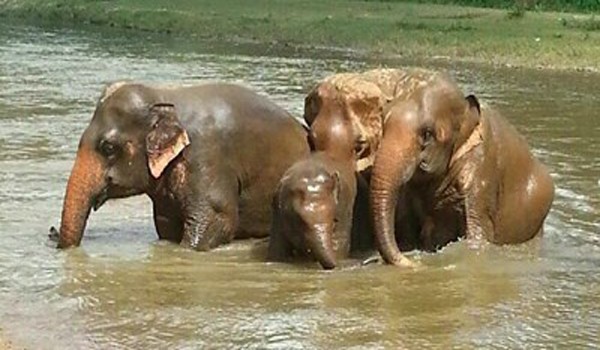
(447,168)
(209,156)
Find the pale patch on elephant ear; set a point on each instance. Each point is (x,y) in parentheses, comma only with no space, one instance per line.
(474,140)
(471,130)
(167,139)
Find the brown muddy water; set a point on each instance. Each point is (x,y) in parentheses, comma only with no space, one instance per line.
(123,289)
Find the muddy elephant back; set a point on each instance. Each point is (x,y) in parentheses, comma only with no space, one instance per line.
(386,79)
(398,83)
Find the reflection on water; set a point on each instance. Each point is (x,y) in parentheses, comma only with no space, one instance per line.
(123,289)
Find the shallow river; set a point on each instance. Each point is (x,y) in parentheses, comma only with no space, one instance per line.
(124,289)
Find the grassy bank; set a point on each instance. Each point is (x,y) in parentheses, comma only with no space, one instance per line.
(583,6)
(537,39)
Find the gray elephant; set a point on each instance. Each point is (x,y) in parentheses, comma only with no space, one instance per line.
(209,156)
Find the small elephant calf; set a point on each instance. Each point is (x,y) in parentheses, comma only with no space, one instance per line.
(312,210)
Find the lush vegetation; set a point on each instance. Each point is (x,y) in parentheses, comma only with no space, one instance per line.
(540,5)
(534,39)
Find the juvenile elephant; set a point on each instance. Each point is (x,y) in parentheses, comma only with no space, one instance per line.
(315,212)
(447,168)
(208,156)
(312,211)
(359,98)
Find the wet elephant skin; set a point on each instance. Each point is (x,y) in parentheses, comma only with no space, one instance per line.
(313,211)
(448,168)
(200,153)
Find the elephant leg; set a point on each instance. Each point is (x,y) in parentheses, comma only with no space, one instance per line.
(211,216)
(208,228)
(168,224)
(406,223)
(362,228)
(427,235)
(479,225)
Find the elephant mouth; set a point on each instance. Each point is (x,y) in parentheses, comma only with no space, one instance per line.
(112,191)
(101,198)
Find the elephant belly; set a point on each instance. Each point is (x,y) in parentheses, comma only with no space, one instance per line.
(255,221)
(255,212)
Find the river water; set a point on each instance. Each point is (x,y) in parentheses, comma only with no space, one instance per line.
(124,289)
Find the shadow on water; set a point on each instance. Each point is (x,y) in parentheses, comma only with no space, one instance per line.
(124,289)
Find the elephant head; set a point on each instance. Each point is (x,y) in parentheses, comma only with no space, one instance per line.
(422,135)
(131,139)
(356,102)
(309,196)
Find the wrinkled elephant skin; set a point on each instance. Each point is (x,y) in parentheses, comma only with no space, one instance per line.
(447,168)
(198,152)
(312,211)
(358,99)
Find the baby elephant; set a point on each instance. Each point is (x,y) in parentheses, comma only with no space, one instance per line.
(312,210)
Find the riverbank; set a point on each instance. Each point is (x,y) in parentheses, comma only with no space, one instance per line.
(579,6)
(529,39)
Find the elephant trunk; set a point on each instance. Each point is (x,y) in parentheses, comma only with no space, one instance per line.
(85,183)
(319,242)
(395,163)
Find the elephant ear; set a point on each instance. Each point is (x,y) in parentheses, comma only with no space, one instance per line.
(470,134)
(167,139)
(310,139)
(474,105)
(311,106)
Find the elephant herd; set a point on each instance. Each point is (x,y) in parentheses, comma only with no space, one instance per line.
(392,159)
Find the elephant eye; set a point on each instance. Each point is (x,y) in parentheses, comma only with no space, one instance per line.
(107,148)
(426,136)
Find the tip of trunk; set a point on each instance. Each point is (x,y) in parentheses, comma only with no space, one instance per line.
(328,264)
(61,243)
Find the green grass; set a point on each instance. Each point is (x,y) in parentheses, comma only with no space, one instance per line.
(585,6)
(532,39)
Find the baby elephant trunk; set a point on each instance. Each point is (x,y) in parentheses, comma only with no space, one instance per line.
(320,244)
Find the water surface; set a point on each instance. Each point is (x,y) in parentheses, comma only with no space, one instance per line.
(124,289)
